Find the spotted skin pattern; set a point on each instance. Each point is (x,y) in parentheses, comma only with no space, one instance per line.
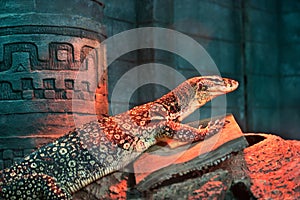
(71,162)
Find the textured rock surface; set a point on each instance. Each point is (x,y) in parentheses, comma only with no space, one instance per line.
(274,168)
(212,185)
(199,156)
(113,186)
(268,169)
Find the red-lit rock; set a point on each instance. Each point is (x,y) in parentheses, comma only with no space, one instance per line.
(274,168)
(268,169)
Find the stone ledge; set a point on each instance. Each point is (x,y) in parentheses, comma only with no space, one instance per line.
(268,169)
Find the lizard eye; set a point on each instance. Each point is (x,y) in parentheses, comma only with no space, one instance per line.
(202,87)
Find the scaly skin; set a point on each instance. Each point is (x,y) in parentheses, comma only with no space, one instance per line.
(59,169)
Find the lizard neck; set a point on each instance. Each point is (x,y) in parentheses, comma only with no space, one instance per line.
(179,103)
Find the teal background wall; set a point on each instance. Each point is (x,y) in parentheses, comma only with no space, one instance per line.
(255,42)
(289,64)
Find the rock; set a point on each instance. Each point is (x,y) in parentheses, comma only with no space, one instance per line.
(274,167)
(212,185)
(268,169)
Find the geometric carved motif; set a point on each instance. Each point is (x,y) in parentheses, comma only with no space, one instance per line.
(7,93)
(61,57)
(23,56)
(13,52)
(85,51)
(21,61)
(49,90)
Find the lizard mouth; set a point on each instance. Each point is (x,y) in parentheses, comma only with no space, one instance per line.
(223,87)
(230,84)
(216,85)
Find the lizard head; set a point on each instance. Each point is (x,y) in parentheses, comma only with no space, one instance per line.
(193,93)
(197,91)
(208,87)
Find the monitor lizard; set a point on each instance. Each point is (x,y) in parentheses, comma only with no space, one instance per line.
(100,147)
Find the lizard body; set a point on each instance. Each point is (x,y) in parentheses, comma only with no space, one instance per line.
(57,170)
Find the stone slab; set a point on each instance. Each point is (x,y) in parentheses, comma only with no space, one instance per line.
(228,140)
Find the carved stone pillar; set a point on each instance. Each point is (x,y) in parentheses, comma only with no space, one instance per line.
(42,46)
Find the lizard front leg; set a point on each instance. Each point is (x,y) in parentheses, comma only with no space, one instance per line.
(186,133)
